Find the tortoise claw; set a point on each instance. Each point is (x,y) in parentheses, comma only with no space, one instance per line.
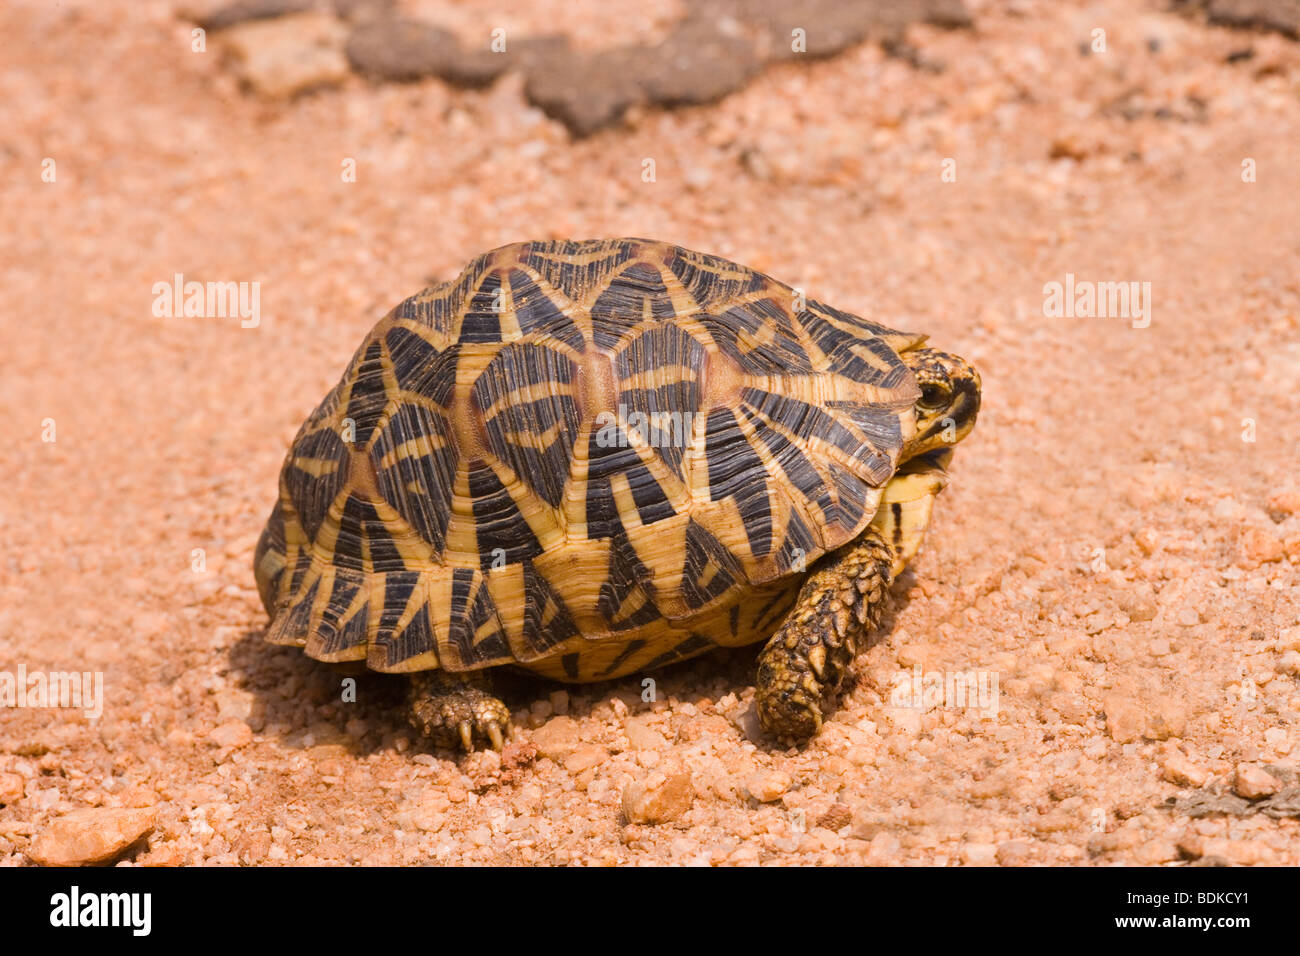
(456,713)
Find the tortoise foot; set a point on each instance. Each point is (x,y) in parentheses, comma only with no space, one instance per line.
(805,661)
(455,712)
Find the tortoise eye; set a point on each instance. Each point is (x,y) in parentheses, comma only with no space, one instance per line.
(935,394)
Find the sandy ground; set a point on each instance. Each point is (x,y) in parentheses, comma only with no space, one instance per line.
(1119,546)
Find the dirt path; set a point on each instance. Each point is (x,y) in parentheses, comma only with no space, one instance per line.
(1113,550)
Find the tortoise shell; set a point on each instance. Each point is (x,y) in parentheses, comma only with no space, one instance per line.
(584,458)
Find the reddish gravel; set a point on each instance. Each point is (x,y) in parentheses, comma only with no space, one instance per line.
(1118,548)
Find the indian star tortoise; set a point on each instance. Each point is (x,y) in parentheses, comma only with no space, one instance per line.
(594,458)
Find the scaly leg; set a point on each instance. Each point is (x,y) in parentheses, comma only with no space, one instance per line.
(804,662)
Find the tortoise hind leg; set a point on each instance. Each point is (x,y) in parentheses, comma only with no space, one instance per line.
(458,710)
(805,661)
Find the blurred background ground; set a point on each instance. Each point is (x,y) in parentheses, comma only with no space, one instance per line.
(1119,544)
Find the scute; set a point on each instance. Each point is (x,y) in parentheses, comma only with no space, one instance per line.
(580,457)
(530,413)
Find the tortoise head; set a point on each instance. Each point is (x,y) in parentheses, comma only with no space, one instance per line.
(949,402)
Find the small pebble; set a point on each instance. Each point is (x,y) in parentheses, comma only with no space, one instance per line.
(12,786)
(557,738)
(1254,782)
(1259,546)
(1181,770)
(96,835)
(234,733)
(585,757)
(979,854)
(659,799)
(1283,504)
(1014,853)
(767,786)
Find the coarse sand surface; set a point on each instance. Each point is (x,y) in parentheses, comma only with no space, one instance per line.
(1118,548)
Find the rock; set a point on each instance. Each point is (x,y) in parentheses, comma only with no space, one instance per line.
(698,63)
(1258,546)
(659,799)
(1209,803)
(1015,853)
(1166,717)
(539,712)
(289,55)
(1280,15)
(744,855)
(12,788)
(97,835)
(586,93)
(1285,803)
(768,786)
(747,722)
(252,847)
(221,16)
(1278,739)
(1071,145)
(401,50)
(585,757)
(234,704)
(1125,838)
(518,754)
(1124,719)
(641,736)
(829,26)
(1157,718)
(979,854)
(836,817)
(234,733)
(1240,852)
(138,797)
(1073,708)
(1191,845)
(1180,770)
(1139,604)
(883,849)
(706,55)
(405,50)
(1154,852)
(869,820)
(1288,639)
(557,738)
(1289,663)
(1254,782)
(1283,505)
(359,11)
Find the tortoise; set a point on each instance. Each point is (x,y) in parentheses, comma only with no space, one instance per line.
(590,459)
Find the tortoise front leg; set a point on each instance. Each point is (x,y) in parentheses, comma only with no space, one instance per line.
(804,662)
(458,709)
